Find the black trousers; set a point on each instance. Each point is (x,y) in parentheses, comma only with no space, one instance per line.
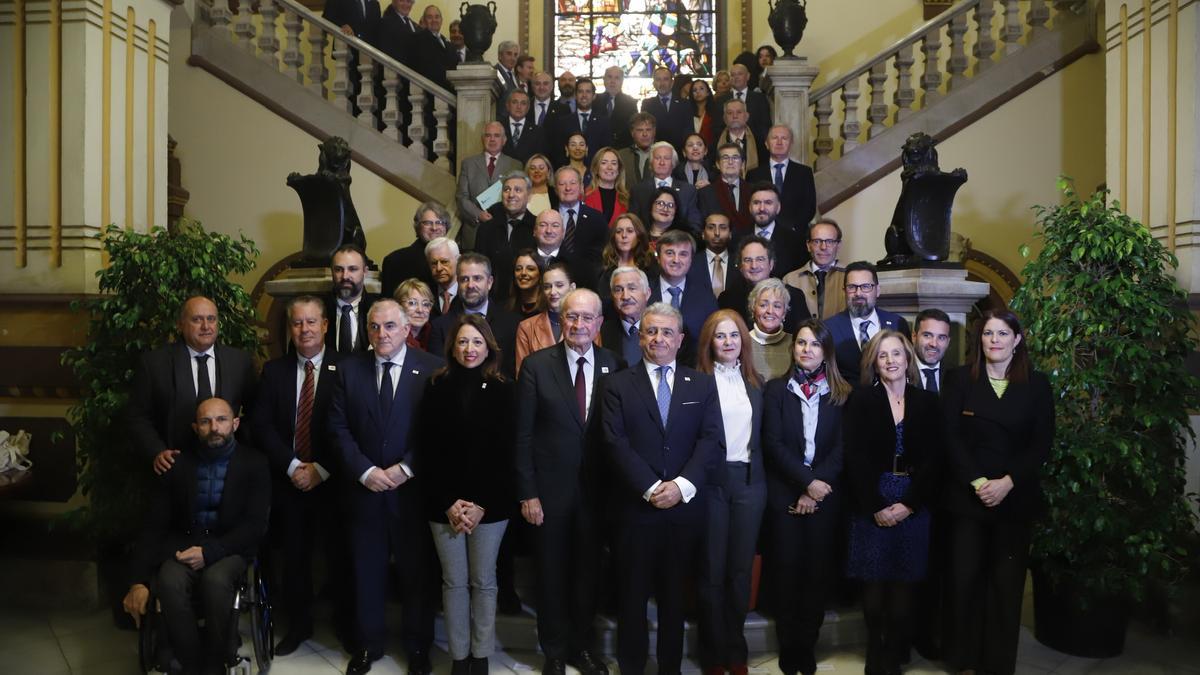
(656,554)
(568,561)
(176,585)
(803,572)
(985,583)
(303,526)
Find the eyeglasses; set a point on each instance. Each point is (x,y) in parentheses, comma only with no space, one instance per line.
(422,304)
(572,317)
(730,158)
(824,242)
(427,223)
(664,204)
(759,260)
(865,288)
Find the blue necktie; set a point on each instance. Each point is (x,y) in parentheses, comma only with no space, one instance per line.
(631,346)
(541,114)
(664,394)
(863,337)
(779,176)
(675,292)
(386,390)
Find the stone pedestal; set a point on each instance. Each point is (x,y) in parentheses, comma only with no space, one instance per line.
(908,291)
(476,106)
(792,79)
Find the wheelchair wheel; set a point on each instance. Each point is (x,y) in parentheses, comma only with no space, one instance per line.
(151,638)
(262,629)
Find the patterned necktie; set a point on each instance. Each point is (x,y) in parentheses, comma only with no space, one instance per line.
(304,407)
(666,101)
(491,167)
(516,137)
(930,379)
(203,383)
(386,391)
(345,337)
(581,388)
(738,95)
(569,234)
(779,176)
(718,276)
(663,394)
(675,292)
(863,337)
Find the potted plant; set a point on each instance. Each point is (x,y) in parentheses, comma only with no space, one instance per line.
(148,277)
(1109,325)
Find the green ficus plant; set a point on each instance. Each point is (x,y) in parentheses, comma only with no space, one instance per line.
(148,277)
(1109,325)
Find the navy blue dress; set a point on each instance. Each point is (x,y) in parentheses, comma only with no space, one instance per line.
(898,553)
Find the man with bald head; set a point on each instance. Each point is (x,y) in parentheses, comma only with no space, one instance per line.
(673,115)
(542,106)
(557,473)
(618,105)
(171,380)
(797,188)
(477,174)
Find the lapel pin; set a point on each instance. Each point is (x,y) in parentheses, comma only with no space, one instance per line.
(604,369)
(331,367)
(483,386)
(416,372)
(686,378)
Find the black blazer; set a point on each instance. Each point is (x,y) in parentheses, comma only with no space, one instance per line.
(162,400)
(598,134)
(624,107)
(870,446)
(533,140)
(502,322)
(696,304)
(398,39)
(406,263)
(687,206)
(989,437)
(242,516)
(273,427)
(790,249)
(556,451)
(783,445)
(350,13)
(798,202)
(492,240)
(673,125)
(845,342)
(432,56)
(757,469)
(331,314)
(465,436)
(613,335)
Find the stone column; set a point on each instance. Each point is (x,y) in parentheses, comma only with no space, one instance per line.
(908,291)
(476,106)
(792,78)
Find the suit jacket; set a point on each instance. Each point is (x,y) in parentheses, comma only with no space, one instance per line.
(274,426)
(790,249)
(702,271)
(533,334)
(696,303)
(398,38)
(989,437)
(360,336)
(591,233)
(757,106)
(784,444)
(672,125)
(242,516)
(472,180)
(557,453)
(798,201)
(553,108)
(406,263)
(687,210)
(532,141)
(635,172)
(598,134)
(612,334)
(717,197)
(502,322)
(162,400)
(870,447)
(432,56)
(350,13)
(845,341)
(642,451)
(360,435)
(494,241)
(803,280)
(624,107)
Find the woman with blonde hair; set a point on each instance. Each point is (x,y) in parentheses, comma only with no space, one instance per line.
(609,194)
(417,300)
(539,169)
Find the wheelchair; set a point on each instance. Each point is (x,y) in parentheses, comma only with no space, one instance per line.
(251,598)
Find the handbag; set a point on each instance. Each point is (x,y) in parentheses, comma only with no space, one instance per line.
(14,451)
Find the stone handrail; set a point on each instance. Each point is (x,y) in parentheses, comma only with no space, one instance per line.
(346,51)
(988,49)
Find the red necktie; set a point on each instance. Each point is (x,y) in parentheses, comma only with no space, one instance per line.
(491,166)
(304,408)
(581,389)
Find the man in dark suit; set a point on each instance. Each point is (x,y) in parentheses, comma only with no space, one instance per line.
(477,174)
(398,37)
(860,322)
(757,105)
(793,180)
(348,305)
(729,194)
(586,120)
(715,266)
(755,262)
(542,106)
(558,434)
(790,251)
(509,230)
(548,241)
(676,250)
(204,524)
(630,292)
(291,428)
(522,139)
(931,340)
(442,255)
(370,422)
(354,17)
(663,160)
(475,280)
(674,115)
(433,53)
(171,380)
(635,157)
(430,221)
(664,437)
(619,106)
(585,230)
(507,53)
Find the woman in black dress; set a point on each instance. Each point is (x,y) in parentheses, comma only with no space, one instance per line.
(893,440)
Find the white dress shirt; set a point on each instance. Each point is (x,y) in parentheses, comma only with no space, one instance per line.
(589,370)
(766,231)
(300,361)
(397,360)
(812,409)
(709,256)
(337,318)
(686,489)
(736,411)
(873,317)
(211,353)
(663,285)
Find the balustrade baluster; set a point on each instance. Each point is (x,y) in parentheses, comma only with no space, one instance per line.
(823,143)
(293,59)
(391,107)
(931,79)
(219,16)
(416,128)
(878,110)
(1011,31)
(1039,14)
(366,91)
(850,126)
(243,27)
(268,41)
(342,89)
(441,138)
(317,72)
(985,44)
(957,64)
(905,95)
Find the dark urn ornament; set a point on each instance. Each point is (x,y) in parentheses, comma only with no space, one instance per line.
(330,220)
(919,235)
(478,27)
(788,19)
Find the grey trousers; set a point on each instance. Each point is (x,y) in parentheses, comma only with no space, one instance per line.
(469,586)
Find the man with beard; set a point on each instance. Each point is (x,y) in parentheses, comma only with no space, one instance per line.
(475,281)
(630,290)
(204,524)
(347,307)
(714,267)
(764,212)
(853,328)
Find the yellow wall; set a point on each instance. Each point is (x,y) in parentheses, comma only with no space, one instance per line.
(1012,156)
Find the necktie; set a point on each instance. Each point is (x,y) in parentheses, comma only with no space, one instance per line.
(675,292)
(304,407)
(541,113)
(738,95)
(663,394)
(446,301)
(491,167)
(516,137)
(742,142)
(569,235)
(583,122)
(863,337)
(779,176)
(581,389)
(345,337)
(386,390)
(663,183)
(666,101)
(462,55)
(203,383)
(733,194)
(512,227)
(632,349)
(718,276)
(610,105)
(930,379)
(821,293)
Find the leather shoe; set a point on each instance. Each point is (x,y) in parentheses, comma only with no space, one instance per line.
(556,667)
(418,664)
(291,642)
(361,663)
(588,664)
(479,665)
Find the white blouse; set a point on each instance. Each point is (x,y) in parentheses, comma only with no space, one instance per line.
(736,412)
(812,407)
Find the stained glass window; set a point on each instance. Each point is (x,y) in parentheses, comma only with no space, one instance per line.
(636,35)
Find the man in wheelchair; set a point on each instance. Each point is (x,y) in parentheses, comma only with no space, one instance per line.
(205,521)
